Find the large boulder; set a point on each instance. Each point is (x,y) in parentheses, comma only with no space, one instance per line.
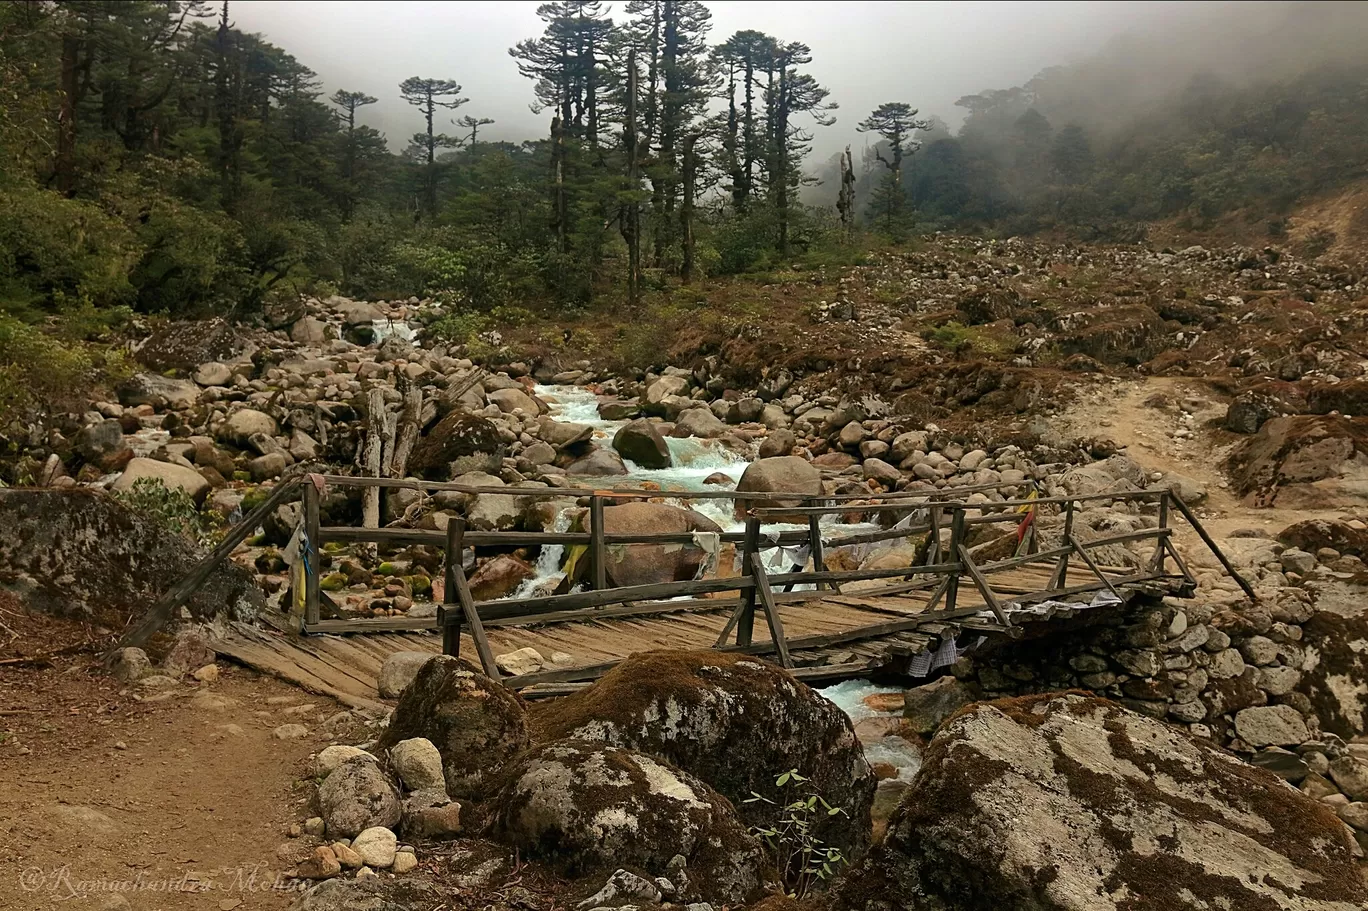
(185,344)
(733,721)
(244,424)
(476,724)
(1335,671)
(600,463)
(82,554)
(699,422)
(157,391)
(1304,462)
(511,400)
(358,795)
(168,474)
(499,576)
(459,443)
(1311,535)
(642,564)
(589,806)
(1071,802)
(640,442)
(781,474)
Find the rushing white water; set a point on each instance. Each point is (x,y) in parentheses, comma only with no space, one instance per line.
(694,460)
(399,328)
(849,696)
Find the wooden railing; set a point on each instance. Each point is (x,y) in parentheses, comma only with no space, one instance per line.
(941,521)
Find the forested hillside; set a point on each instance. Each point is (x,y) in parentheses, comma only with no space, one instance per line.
(1262,111)
(154,158)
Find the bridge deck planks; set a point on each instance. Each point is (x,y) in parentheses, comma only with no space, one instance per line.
(347,666)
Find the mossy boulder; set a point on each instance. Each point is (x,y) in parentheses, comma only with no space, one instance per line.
(733,721)
(459,443)
(1336,671)
(588,807)
(1071,802)
(477,725)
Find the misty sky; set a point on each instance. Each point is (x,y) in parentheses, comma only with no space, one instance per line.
(926,54)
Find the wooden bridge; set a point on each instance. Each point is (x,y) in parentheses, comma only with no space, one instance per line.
(901,620)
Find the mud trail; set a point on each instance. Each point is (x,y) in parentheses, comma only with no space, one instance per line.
(1167,424)
(110,803)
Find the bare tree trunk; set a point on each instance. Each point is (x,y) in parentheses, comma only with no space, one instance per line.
(66,117)
(375,445)
(686,208)
(634,180)
(407,434)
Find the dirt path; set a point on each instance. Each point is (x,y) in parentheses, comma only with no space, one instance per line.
(184,803)
(1174,437)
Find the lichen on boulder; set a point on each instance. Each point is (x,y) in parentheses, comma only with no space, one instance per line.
(1072,802)
(476,724)
(735,722)
(588,806)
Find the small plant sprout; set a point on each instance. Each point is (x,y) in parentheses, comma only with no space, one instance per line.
(803,859)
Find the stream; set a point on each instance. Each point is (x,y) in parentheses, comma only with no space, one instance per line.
(695,460)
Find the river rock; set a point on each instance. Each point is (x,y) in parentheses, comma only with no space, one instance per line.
(476,724)
(597,464)
(157,391)
(329,758)
(399,670)
(778,443)
(698,422)
(585,805)
(732,721)
(925,707)
(459,443)
(1271,725)
(881,471)
(170,475)
(245,423)
(640,441)
(643,564)
(376,847)
(213,374)
(1335,674)
(356,796)
(431,814)
(418,764)
(88,556)
(499,576)
(1041,802)
(511,400)
(783,474)
(99,440)
(661,389)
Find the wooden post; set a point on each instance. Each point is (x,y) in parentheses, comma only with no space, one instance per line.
(1092,565)
(1210,543)
(815,545)
(776,626)
(956,537)
(313,560)
(472,620)
(451,631)
(598,551)
(745,628)
(1157,561)
(1062,567)
(933,551)
(984,588)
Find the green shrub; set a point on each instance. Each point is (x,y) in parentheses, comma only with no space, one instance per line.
(802,858)
(40,369)
(173,509)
